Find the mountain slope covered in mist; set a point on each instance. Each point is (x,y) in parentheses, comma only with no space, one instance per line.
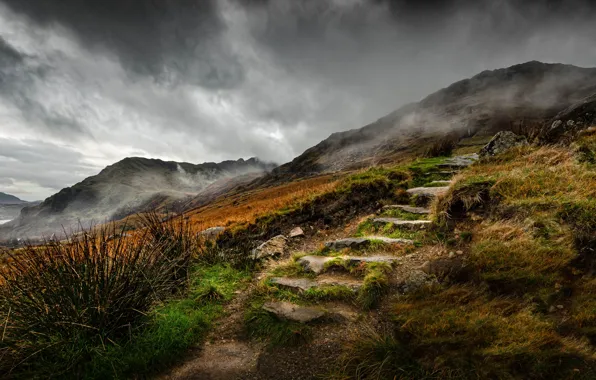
(6,199)
(519,98)
(121,189)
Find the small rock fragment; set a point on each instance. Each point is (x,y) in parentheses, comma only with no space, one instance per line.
(296,232)
(293,312)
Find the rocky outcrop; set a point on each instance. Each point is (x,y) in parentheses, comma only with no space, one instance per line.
(274,247)
(502,142)
(569,123)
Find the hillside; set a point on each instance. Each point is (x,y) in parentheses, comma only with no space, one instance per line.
(7,199)
(518,98)
(121,189)
(464,252)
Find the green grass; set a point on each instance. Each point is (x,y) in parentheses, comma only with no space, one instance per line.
(376,284)
(404,215)
(264,326)
(171,329)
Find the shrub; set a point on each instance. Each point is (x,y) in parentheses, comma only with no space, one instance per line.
(62,299)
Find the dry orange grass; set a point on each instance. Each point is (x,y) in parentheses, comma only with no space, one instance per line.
(247,206)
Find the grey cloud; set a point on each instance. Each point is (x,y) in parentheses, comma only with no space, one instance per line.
(199,80)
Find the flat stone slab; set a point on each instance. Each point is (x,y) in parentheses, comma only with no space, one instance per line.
(388,240)
(406,208)
(302,284)
(442,183)
(429,192)
(314,264)
(347,243)
(351,283)
(407,224)
(363,242)
(298,284)
(355,260)
(293,312)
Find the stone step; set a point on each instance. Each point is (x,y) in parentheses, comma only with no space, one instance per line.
(429,192)
(442,183)
(293,312)
(403,224)
(363,242)
(356,260)
(303,284)
(406,208)
(316,264)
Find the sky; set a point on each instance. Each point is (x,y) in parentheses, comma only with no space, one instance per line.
(86,83)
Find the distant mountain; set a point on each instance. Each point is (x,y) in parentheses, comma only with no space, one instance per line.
(519,98)
(122,189)
(7,199)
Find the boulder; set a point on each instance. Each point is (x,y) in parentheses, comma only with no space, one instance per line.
(211,233)
(296,232)
(293,312)
(273,247)
(413,281)
(502,142)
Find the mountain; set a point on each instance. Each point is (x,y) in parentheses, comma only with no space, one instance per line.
(131,185)
(519,98)
(7,199)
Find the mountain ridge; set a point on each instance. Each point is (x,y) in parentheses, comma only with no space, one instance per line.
(120,190)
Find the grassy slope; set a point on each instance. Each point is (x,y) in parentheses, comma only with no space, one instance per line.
(526,309)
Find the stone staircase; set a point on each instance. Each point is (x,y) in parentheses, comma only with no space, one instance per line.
(325,269)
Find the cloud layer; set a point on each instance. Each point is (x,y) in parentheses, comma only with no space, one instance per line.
(86,83)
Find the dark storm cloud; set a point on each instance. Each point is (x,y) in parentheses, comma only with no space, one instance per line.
(154,37)
(207,80)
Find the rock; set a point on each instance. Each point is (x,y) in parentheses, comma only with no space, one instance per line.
(351,283)
(406,208)
(356,243)
(353,243)
(443,267)
(296,284)
(296,232)
(566,125)
(451,255)
(356,260)
(502,142)
(459,252)
(314,264)
(274,247)
(293,312)
(413,281)
(404,224)
(211,233)
(424,195)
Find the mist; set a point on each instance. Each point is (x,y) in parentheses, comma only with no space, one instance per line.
(85,83)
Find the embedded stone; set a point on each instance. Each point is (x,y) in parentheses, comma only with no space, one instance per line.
(400,223)
(315,264)
(296,232)
(274,247)
(406,208)
(293,312)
